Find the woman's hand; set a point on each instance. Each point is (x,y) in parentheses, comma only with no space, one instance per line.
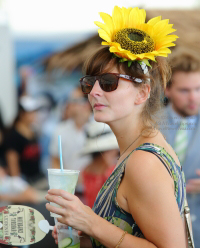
(55,234)
(74,213)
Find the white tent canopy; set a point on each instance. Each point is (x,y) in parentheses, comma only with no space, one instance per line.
(60,16)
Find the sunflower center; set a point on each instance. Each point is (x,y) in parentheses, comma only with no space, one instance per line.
(134,40)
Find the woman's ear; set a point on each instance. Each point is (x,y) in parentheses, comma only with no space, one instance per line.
(142,94)
(167,92)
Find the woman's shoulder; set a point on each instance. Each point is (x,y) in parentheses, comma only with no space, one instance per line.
(144,168)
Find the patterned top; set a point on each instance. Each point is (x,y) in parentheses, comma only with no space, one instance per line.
(106,204)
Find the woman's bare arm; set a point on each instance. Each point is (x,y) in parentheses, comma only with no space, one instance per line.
(152,202)
(12,159)
(28,195)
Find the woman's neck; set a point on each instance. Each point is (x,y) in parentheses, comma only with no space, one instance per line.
(127,131)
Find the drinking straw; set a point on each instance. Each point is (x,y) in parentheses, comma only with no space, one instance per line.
(60,150)
(61,167)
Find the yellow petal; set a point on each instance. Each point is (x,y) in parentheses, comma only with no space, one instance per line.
(149,56)
(125,15)
(117,18)
(141,56)
(117,45)
(154,20)
(158,46)
(165,41)
(147,28)
(132,56)
(114,49)
(142,16)
(164,50)
(163,55)
(166,32)
(134,20)
(104,35)
(154,53)
(105,43)
(104,27)
(168,38)
(108,21)
(160,26)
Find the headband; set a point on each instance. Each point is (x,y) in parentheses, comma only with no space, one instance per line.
(131,39)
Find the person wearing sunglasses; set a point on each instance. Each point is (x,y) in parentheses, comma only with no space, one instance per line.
(141,205)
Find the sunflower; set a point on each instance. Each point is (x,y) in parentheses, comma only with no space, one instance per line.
(130,38)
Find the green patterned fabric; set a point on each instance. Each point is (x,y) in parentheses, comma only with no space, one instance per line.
(181,140)
(106,204)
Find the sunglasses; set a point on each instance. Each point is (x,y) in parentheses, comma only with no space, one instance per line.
(108,81)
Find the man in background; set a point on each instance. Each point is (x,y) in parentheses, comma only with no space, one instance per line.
(180,124)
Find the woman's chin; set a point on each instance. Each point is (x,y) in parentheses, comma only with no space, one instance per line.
(101,117)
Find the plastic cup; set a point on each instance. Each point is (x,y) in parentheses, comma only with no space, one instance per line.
(66,180)
(67,237)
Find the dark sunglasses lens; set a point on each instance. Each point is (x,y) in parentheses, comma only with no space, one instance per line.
(86,84)
(109,82)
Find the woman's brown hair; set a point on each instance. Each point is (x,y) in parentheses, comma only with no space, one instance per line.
(102,61)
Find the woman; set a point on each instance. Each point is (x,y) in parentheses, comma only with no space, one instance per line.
(141,204)
(21,144)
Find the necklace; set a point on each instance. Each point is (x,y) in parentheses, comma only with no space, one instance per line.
(128,147)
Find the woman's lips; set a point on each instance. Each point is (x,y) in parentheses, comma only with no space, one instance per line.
(99,106)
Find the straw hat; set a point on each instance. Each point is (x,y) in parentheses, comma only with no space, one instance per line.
(99,138)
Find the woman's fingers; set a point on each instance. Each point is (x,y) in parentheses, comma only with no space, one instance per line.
(62,193)
(56,199)
(54,230)
(59,211)
(55,235)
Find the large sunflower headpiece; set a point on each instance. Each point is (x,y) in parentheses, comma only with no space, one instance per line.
(130,38)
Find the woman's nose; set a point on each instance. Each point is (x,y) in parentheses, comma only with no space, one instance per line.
(96,90)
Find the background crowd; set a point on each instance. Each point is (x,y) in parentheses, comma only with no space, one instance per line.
(29,144)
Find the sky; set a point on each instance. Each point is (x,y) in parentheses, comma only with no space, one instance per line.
(59,16)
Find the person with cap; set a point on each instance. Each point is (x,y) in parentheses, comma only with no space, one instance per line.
(102,145)
(141,204)
(21,144)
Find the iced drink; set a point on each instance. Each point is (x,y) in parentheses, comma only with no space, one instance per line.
(66,180)
(67,237)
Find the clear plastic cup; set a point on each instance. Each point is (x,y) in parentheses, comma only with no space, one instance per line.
(66,180)
(67,236)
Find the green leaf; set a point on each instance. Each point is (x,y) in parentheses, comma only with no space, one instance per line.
(139,61)
(146,61)
(122,60)
(130,63)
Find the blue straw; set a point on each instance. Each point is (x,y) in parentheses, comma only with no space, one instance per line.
(61,167)
(60,150)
